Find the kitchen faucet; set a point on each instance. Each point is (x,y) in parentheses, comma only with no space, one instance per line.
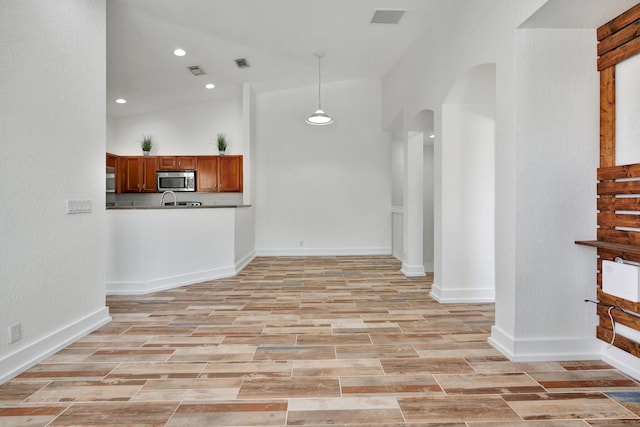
(175,202)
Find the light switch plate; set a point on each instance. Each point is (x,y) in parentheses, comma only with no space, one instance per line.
(78,206)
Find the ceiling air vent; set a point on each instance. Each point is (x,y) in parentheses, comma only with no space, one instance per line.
(242,63)
(387,16)
(196,70)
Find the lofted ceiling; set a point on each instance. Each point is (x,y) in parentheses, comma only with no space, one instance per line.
(279,39)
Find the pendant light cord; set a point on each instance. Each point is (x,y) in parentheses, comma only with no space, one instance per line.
(319,81)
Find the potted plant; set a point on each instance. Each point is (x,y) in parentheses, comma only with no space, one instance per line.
(147,143)
(222,143)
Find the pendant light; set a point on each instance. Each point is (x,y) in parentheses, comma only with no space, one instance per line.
(319,117)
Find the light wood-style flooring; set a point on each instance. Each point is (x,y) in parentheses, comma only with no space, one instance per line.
(317,341)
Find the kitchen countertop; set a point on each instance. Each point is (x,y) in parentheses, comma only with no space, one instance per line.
(175,207)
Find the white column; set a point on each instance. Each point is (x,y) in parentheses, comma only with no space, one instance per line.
(412,265)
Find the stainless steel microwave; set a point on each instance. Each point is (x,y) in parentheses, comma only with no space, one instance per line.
(176,180)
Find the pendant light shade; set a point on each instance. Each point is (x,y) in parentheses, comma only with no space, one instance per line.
(319,117)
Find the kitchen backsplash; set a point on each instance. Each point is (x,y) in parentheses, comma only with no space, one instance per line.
(153,199)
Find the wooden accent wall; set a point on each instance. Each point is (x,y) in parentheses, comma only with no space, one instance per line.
(618,186)
(618,39)
(618,236)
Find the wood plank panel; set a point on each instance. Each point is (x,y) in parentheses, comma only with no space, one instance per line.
(608,117)
(619,38)
(619,236)
(611,204)
(620,317)
(618,187)
(618,172)
(621,342)
(619,22)
(610,219)
(626,51)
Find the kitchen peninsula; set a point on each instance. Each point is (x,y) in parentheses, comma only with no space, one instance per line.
(156,243)
(155,248)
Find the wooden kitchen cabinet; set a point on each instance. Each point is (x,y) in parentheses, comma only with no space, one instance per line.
(230,174)
(173,163)
(216,174)
(207,174)
(137,174)
(112,160)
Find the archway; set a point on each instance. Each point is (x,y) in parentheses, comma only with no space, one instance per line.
(465,243)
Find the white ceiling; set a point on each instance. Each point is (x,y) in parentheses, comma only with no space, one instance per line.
(279,39)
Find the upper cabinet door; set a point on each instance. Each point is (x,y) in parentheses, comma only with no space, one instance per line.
(230,174)
(207,174)
(137,174)
(166,163)
(186,163)
(130,172)
(149,175)
(176,163)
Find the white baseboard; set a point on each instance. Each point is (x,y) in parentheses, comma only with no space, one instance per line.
(544,350)
(620,359)
(459,296)
(164,283)
(241,264)
(26,357)
(413,270)
(323,251)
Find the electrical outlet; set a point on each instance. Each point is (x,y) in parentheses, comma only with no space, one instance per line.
(301,243)
(15,333)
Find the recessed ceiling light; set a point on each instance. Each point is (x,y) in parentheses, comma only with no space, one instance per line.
(179,52)
(432,136)
(121,101)
(209,86)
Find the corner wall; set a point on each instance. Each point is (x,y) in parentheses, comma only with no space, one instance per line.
(557,139)
(53,133)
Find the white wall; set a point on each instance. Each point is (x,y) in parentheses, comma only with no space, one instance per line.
(468,189)
(546,151)
(468,202)
(557,156)
(325,186)
(397,196)
(190,130)
(53,142)
(397,168)
(427,207)
(628,111)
